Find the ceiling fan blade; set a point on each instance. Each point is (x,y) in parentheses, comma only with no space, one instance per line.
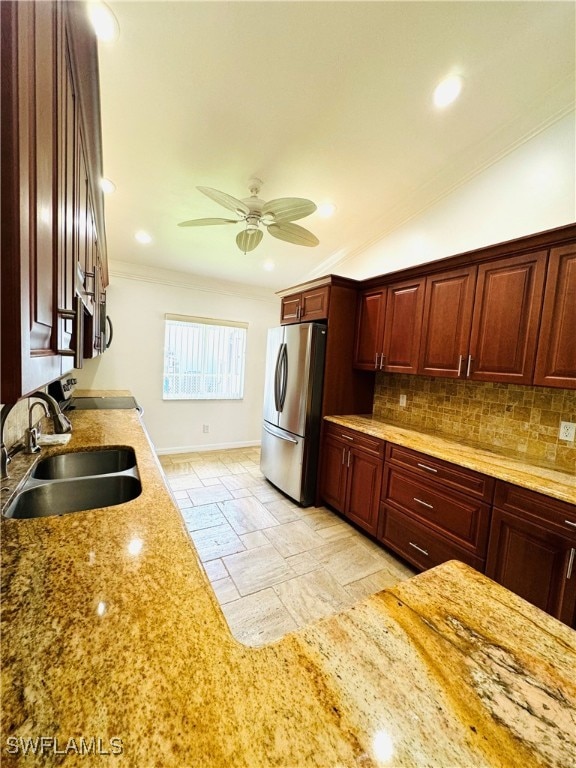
(207,222)
(226,200)
(248,239)
(288,208)
(293,233)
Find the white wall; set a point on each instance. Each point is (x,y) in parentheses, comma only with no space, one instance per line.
(529,190)
(137,305)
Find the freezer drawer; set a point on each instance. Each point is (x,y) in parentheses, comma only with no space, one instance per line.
(282,462)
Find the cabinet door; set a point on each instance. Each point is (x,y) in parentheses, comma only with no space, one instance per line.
(403,326)
(290,309)
(370,329)
(556,360)
(364,484)
(314,304)
(29,210)
(448,303)
(534,562)
(334,473)
(506,319)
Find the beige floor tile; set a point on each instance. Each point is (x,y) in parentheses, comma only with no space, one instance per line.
(179,495)
(254,539)
(211,469)
(266,493)
(241,493)
(210,482)
(284,511)
(256,569)
(336,532)
(215,569)
(205,516)
(242,480)
(348,563)
(303,563)
(293,538)
(312,596)
(258,619)
(184,482)
(369,585)
(319,517)
(247,514)
(215,542)
(225,590)
(209,495)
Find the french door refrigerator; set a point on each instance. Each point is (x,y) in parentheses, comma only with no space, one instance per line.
(292,408)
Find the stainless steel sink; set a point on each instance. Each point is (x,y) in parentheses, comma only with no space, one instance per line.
(59,498)
(78,481)
(85,463)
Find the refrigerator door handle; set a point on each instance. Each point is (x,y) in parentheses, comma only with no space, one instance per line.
(281,437)
(283,373)
(277,378)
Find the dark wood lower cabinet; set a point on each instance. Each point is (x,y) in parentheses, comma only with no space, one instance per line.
(532,550)
(351,475)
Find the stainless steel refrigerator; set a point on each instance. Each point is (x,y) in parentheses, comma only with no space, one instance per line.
(292,408)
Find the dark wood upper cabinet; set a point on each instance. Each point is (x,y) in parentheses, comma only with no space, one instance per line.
(556,359)
(448,306)
(305,307)
(506,319)
(51,207)
(403,326)
(369,342)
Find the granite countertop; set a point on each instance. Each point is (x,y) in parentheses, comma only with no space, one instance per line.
(503,465)
(112,635)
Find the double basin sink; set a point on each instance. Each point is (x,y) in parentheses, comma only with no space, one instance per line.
(77,481)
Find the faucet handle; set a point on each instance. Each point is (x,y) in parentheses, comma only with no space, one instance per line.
(31,440)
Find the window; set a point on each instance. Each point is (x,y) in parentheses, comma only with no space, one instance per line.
(203,359)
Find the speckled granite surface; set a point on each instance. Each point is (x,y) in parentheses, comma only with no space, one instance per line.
(504,465)
(116,652)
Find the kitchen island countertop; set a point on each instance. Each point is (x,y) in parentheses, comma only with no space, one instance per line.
(111,631)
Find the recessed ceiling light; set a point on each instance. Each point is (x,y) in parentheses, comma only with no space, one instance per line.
(143,237)
(268,265)
(103,21)
(447,91)
(326,210)
(107,186)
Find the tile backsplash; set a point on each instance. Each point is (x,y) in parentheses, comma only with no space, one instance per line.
(511,417)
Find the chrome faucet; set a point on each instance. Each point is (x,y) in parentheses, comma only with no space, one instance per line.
(4,458)
(60,422)
(31,435)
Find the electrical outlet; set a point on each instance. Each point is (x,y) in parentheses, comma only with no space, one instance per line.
(567,431)
(402,400)
(205,428)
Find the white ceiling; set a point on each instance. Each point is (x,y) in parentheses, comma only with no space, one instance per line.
(330,101)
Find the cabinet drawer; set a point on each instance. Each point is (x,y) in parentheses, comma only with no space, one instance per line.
(460,517)
(418,543)
(521,501)
(360,440)
(450,475)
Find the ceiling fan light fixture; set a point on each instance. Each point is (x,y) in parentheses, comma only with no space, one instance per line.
(325,210)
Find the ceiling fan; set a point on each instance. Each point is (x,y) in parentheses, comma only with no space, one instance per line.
(276,215)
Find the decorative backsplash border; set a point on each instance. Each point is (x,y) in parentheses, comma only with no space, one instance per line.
(517,418)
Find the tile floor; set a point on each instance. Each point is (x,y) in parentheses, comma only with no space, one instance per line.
(274,566)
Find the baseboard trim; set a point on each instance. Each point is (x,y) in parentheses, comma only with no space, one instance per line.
(210,447)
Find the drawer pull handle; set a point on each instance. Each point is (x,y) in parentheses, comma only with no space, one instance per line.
(418,548)
(429,469)
(460,357)
(569,522)
(570,563)
(348,463)
(347,437)
(424,503)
